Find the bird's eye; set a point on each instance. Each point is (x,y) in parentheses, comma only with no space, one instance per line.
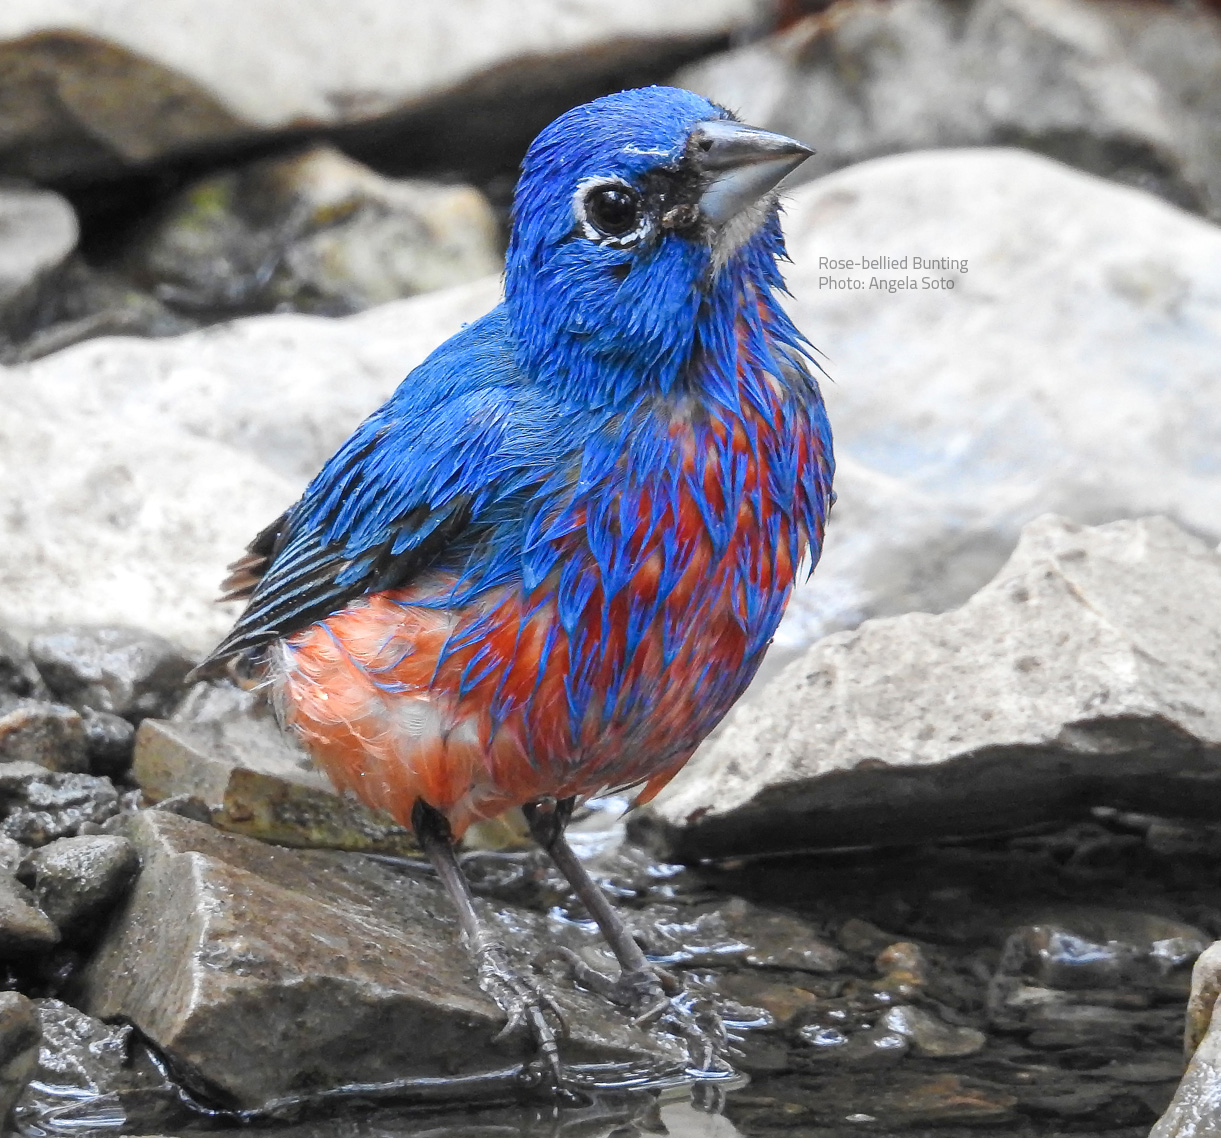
(614,211)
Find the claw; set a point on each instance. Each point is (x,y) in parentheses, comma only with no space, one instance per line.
(652,995)
(524,1005)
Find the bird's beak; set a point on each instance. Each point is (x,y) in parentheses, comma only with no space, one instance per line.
(741,164)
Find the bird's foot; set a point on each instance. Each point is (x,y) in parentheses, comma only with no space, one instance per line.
(655,996)
(525,1006)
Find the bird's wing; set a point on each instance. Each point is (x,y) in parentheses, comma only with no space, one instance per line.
(460,447)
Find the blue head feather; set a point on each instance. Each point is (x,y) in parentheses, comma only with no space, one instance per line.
(601,322)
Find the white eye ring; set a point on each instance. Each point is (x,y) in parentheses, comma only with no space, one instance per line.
(584,189)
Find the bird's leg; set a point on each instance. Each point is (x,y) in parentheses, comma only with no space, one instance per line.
(647,989)
(518,996)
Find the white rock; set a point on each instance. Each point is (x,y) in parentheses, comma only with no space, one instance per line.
(1073,368)
(134,80)
(132,471)
(38,231)
(1083,674)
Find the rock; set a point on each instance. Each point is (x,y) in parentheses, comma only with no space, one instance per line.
(1205,987)
(87,302)
(860,936)
(262,971)
(17,672)
(109,740)
(1093,330)
(20,1033)
(1081,674)
(1123,90)
(76,880)
(38,231)
(225,749)
(315,232)
(123,671)
(1196,1107)
(93,1077)
(135,473)
(783,1003)
(91,92)
(39,806)
(865,1050)
(12,854)
(931,1038)
(49,734)
(735,932)
(24,928)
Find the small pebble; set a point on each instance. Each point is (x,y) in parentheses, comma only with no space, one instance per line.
(49,734)
(931,1038)
(78,879)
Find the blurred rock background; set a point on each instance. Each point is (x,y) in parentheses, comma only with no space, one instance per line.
(226,233)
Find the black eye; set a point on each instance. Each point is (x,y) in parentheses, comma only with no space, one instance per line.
(613,211)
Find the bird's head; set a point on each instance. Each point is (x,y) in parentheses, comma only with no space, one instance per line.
(632,216)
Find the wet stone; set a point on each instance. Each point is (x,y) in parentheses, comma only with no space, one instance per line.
(17,672)
(859,936)
(49,734)
(734,932)
(24,927)
(39,806)
(92,1077)
(264,972)
(109,740)
(124,671)
(873,1047)
(76,880)
(784,1004)
(930,1037)
(20,1033)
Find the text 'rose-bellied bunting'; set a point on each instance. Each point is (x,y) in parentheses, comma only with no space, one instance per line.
(550,563)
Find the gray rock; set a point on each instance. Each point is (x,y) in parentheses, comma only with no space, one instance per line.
(92,1077)
(1205,987)
(38,805)
(24,928)
(109,740)
(120,670)
(95,91)
(12,854)
(315,232)
(1122,91)
(1083,673)
(49,734)
(17,672)
(20,1034)
(76,880)
(931,1038)
(261,971)
(38,231)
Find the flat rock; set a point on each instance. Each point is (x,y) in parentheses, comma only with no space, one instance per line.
(92,90)
(265,972)
(313,232)
(116,669)
(1083,674)
(225,749)
(1122,89)
(38,231)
